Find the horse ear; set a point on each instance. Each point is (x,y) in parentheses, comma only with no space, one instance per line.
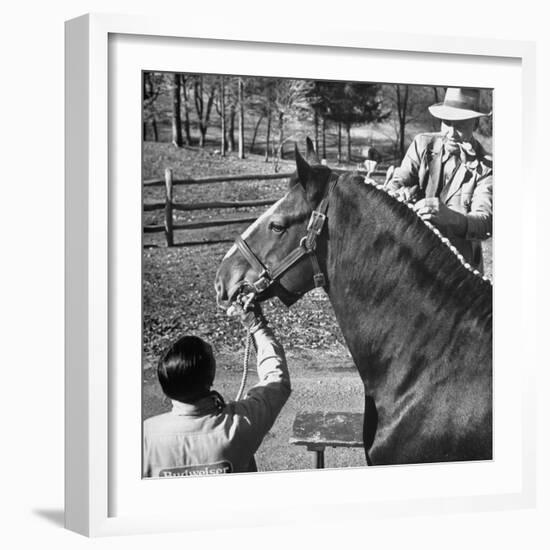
(311,154)
(302,167)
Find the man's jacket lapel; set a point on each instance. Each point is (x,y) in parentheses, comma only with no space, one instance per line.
(434,171)
(462,173)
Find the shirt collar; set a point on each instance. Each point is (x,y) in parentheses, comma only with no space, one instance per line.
(211,403)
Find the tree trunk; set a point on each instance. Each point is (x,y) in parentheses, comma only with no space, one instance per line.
(232,114)
(324,136)
(348,136)
(260,118)
(144,95)
(155,129)
(280,152)
(316,129)
(177,138)
(185,105)
(339,157)
(402,106)
(241,117)
(223,144)
(203,111)
(268,135)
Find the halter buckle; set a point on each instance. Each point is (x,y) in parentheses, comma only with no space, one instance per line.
(308,243)
(316,222)
(262,283)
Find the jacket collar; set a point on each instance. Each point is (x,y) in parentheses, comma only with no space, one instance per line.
(212,403)
(471,158)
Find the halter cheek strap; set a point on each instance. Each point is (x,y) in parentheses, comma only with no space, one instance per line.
(307,246)
(264,277)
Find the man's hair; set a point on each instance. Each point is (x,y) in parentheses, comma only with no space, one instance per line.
(187,368)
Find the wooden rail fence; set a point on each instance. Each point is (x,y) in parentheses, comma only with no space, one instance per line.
(169,205)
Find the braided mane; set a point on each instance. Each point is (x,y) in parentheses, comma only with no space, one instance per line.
(406,211)
(423,247)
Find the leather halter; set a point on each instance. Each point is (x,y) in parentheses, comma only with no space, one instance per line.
(267,277)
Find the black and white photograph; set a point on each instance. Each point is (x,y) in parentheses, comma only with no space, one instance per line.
(260,284)
(317,274)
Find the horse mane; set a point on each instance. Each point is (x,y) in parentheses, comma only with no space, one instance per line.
(449,269)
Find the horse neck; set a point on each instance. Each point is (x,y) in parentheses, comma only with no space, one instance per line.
(394,286)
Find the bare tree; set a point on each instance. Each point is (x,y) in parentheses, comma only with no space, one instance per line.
(402,103)
(231,129)
(290,100)
(254,135)
(185,83)
(316,129)
(267,137)
(410,105)
(204,94)
(241,117)
(152,88)
(177,138)
(260,102)
(231,107)
(223,143)
(317,99)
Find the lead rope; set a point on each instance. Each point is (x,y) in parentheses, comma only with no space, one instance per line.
(247,348)
(246,300)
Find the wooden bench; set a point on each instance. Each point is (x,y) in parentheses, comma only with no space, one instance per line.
(318,430)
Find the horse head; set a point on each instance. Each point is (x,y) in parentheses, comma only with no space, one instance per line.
(274,256)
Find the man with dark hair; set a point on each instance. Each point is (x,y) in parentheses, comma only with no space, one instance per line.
(203,435)
(449,176)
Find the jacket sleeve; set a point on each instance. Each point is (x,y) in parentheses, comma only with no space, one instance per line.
(407,174)
(266,399)
(477,222)
(480,217)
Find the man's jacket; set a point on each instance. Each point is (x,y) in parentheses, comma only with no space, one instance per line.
(470,192)
(211,437)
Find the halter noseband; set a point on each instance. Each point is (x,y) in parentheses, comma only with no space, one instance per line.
(267,277)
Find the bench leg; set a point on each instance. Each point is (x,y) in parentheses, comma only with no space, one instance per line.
(320,458)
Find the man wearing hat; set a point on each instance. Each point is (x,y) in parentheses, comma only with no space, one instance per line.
(449,176)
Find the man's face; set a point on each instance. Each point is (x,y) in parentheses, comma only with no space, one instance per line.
(458,131)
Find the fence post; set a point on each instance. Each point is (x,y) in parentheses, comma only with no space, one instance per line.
(168,221)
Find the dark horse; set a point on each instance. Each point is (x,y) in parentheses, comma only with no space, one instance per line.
(417,320)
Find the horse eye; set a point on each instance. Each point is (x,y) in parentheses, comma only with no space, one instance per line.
(276,228)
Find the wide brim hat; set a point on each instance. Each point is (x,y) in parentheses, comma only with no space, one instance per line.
(459,104)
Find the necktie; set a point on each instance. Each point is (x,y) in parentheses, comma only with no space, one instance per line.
(450,168)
